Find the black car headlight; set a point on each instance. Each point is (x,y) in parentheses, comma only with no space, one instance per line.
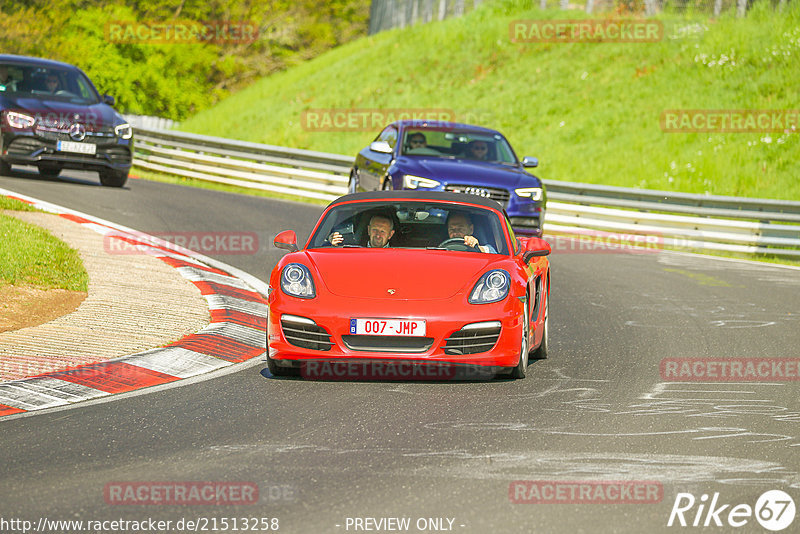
(493,286)
(123,131)
(19,120)
(296,281)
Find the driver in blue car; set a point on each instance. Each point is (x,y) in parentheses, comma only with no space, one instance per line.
(459,225)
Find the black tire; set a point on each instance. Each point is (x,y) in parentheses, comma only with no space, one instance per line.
(113,178)
(387,185)
(277,370)
(49,171)
(352,185)
(5,168)
(541,351)
(521,369)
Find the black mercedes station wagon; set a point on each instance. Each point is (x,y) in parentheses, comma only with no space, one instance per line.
(51,116)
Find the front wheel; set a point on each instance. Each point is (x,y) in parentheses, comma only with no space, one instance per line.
(5,168)
(522,367)
(113,178)
(277,370)
(541,351)
(352,185)
(49,171)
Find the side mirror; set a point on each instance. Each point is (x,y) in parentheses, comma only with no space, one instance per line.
(381,147)
(108,99)
(529,161)
(536,247)
(286,240)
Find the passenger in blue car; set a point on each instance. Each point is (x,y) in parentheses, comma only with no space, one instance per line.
(478,150)
(459,225)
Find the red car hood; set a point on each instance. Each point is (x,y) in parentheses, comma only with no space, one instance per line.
(412,274)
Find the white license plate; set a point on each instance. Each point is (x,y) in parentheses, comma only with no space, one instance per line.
(77,148)
(388,327)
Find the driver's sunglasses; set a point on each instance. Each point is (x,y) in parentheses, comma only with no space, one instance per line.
(417,141)
(480,147)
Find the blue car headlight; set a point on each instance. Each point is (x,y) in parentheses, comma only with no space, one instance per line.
(533,193)
(296,281)
(493,286)
(415,182)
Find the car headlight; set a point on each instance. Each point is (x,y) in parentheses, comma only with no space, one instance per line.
(413,182)
(124,131)
(296,281)
(534,193)
(492,287)
(19,120)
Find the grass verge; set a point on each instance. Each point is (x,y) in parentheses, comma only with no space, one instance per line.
(591,112)
(31,256)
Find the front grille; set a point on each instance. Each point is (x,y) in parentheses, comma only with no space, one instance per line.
(473,339)
(388,343)
(524,222)
(495,193)
(116,154)
(24,146)
(307,336)
(63,135)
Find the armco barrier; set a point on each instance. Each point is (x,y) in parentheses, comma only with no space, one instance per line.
(682,220)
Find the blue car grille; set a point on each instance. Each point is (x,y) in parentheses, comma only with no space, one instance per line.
(494,193)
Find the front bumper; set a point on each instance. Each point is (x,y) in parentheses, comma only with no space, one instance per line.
(27,148)
(327,333)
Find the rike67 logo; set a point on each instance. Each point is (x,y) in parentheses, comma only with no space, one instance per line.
(774,510)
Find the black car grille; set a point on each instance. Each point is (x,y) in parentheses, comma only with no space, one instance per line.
(388,343)
(24,146)
(63,135)
(27,146)
(495,193)
(117,154)
(307,336)
(472,340)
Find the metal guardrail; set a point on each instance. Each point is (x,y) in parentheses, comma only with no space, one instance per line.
(680,220)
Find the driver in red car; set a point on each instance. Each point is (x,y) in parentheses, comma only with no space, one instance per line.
(460,225)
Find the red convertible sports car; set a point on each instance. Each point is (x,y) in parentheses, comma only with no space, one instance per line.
(406,282)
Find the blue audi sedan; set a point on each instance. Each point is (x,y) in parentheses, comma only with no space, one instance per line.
(460,158)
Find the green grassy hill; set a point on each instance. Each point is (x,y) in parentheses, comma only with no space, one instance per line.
(589,111)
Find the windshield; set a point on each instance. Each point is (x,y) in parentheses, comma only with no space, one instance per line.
(452,144)
(33,81)
(411,224)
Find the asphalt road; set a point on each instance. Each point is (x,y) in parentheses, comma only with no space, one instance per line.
(326,453)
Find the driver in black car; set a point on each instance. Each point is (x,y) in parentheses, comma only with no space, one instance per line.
(459,225)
